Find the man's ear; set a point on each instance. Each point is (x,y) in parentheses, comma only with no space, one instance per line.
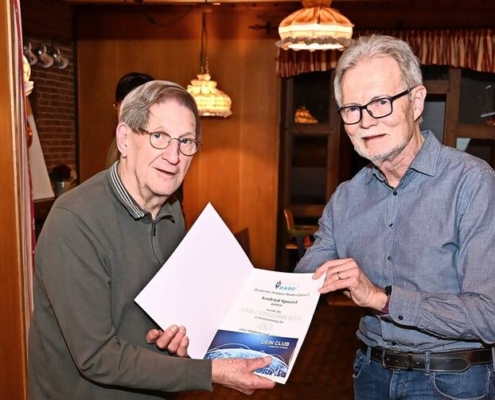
(419,96)
(122,137)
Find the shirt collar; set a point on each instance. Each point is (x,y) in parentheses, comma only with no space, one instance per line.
(425,161)
(123,195)
(128,202)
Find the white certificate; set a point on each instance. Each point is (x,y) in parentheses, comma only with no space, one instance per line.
(229,308)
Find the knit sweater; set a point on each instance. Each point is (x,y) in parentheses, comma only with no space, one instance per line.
(87,339)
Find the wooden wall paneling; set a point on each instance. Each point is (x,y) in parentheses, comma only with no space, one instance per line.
(259,147)
(219,161)
(13,335)
(237,166)
(218,169)
(108,49)
(97,119)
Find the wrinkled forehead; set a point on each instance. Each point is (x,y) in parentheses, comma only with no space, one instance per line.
(172,114)
(380,75)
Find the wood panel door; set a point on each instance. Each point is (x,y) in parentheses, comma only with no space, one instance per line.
(13,350)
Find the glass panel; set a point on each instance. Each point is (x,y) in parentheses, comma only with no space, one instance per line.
(312,97)
(477,97)
(481,148)
(434,115)
(308,170)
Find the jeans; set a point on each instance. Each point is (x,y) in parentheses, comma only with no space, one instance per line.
(373,382)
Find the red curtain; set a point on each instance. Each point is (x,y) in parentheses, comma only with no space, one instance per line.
(464,48)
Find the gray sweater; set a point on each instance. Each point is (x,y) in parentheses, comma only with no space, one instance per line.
(96,251)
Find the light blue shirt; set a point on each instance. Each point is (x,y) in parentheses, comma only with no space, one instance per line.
(432,238)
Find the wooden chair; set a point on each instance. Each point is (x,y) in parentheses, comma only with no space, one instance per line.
(300,236)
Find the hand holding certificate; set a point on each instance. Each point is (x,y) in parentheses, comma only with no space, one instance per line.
(230,308)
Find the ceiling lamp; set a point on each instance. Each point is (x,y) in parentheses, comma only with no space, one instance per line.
(211,101)
(315,27)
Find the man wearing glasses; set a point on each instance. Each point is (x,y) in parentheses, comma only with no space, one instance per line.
(411,238)
(101,244)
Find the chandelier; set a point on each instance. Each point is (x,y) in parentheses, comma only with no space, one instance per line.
(211,102)
(315,27)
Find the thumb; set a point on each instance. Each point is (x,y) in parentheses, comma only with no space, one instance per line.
(261,362)
(152,335)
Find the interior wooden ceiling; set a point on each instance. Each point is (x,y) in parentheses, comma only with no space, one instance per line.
(364,14)
(445,5)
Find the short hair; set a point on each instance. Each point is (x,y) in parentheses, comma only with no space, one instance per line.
(128,82)
(367,47)
(135,109)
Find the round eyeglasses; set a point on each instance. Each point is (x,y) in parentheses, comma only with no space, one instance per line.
(161,140)
(378,108)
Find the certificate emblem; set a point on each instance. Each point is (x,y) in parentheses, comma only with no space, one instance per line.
(286,285)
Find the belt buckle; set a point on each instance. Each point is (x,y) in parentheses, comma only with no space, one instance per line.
(397,361)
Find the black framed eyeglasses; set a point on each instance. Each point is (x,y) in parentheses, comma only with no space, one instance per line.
(161,140)
(378,108)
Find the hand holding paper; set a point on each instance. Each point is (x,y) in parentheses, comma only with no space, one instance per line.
(238,374)
(173,339)
(231,309)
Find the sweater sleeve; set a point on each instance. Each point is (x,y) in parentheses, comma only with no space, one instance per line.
(70,263)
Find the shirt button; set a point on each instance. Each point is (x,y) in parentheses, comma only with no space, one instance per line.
(400,317)
(389,258)
(394,192)
(391,225)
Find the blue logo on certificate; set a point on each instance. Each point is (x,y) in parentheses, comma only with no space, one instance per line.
(229,344)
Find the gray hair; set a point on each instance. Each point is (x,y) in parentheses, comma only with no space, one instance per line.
(135,108)
(366,47)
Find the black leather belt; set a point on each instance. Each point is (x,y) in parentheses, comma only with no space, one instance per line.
(455,361)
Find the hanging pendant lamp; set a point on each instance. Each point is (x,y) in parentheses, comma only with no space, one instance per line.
(315,27)
(211,102)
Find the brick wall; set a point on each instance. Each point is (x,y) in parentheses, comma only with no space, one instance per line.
(53,99)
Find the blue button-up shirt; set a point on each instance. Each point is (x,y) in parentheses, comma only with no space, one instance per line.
(432,238)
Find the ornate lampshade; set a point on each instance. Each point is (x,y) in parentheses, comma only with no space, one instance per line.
(211,102)
(315,27)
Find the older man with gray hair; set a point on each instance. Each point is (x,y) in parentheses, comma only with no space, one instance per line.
(101,244)
(410,238)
